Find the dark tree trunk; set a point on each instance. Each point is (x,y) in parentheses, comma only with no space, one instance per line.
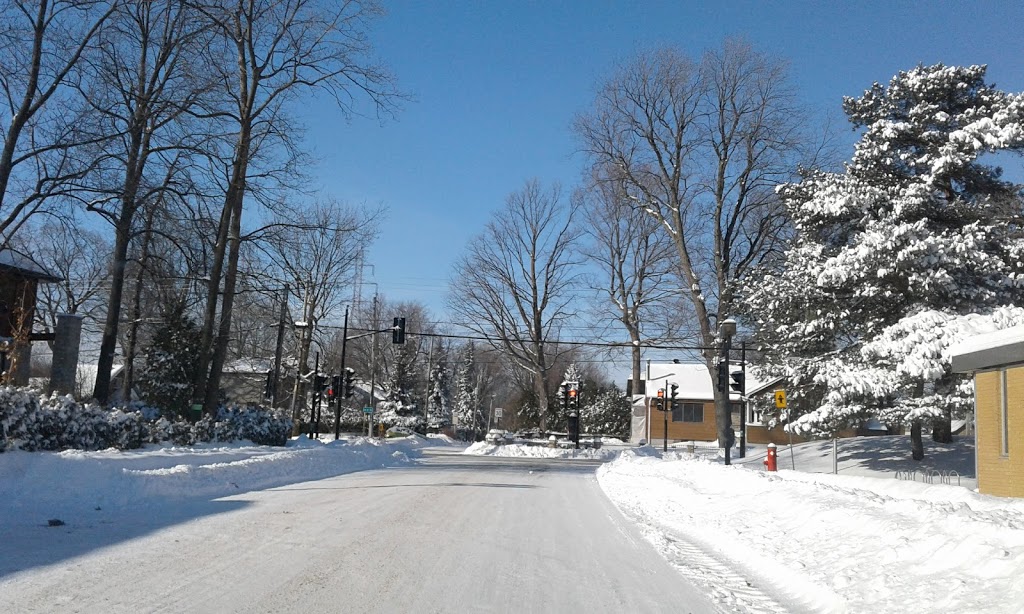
(131,345)
(916,443)
(942,428)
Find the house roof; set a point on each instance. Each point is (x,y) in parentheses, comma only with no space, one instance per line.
(989,350)
(248,366)
(22,264)
(693,380)
(86,374)
(769,384)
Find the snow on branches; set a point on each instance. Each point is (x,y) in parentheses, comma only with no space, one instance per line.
(915,245)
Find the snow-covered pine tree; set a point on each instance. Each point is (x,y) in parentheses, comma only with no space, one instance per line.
(557,417)
(608,413)
(398,407)
(439,409)
(169,367)
(465,404)
(918,229)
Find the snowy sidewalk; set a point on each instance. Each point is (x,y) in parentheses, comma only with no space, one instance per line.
(824,542)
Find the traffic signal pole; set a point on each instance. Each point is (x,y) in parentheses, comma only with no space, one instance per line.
(743,401)
(337,397)
(664,413)
(314,413)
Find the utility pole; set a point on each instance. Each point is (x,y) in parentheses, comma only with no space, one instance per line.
(727,330)
(373,370)
(337,394)
(274,398)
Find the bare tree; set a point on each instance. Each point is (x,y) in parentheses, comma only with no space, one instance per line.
(43,42)
(636,282)
(144,86)
(314,253)
(77,256)
(516,283)
(269,52)
(700,147)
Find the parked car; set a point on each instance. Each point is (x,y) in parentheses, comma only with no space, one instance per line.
(399,431)
(497,437)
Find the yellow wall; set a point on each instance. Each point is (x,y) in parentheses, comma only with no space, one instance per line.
(684,431)
(999,474)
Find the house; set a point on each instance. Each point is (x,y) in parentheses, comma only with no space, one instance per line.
(244,381)
(19,278)
(764,420)
(996,360)
(693,416)
(85,382)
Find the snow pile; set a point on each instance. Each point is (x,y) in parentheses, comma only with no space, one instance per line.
(482,448)
(441,439)
(831,543)
(73,480)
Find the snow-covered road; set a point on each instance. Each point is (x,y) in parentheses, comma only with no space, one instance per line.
(452,534)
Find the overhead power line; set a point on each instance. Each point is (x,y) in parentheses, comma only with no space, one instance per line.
(616,344)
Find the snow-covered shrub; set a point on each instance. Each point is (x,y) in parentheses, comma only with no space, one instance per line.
(259,425)
(31,423)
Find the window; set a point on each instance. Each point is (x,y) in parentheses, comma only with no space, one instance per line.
(688,412)
(1004,417)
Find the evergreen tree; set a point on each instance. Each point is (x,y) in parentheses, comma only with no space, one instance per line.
(398,407)
(439,409)
(608,414)
(170,362)
(916,230)
(466,405)
(558,416)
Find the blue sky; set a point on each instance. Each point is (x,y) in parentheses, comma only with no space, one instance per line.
(497,84)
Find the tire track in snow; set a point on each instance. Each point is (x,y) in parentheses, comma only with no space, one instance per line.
(726,586)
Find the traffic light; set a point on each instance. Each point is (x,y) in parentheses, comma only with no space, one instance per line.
(319,382)
(574,398)
(723,378)
(674,392)
(660,402)
(398,331)
(333,391)
(563,395)
(350,382)
(738,382)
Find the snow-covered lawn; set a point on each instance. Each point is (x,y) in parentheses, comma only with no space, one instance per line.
(844,542)
(38,486)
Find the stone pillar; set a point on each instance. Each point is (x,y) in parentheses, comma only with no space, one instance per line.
(66,342)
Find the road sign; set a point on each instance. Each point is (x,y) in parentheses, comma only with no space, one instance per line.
(497,412)
(367,410)
(780,399)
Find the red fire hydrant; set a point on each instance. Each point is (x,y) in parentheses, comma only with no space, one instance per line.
(771,462)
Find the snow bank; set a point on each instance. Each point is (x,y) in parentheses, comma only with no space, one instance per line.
(482,448)
(826,542)
(74,480)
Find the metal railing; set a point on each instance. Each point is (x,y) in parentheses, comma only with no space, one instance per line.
(930,476)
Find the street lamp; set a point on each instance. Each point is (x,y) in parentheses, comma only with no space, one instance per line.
(726,330)
(302,326)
